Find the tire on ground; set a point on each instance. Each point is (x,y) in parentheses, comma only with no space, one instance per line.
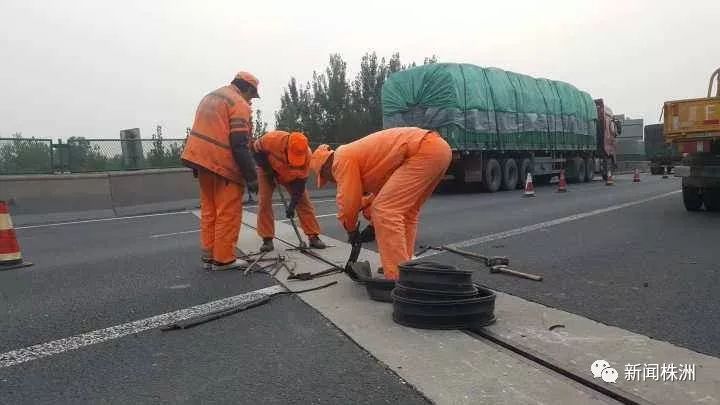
(492,175)
(510,177)
(525,167)
(691,198)
(589,169)
(711,198)
(576,170)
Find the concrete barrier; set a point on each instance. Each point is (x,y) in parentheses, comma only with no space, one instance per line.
(50,198)
(145,191)
(36,199)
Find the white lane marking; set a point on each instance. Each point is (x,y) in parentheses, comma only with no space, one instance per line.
(48,349)
(316,216)
(87,221)
(546,224)
(280,204)
(165,235)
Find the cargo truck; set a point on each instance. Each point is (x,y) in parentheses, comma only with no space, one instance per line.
(694,126)
(502,125)
(662,156)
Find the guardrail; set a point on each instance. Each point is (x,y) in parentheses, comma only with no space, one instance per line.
(80,155)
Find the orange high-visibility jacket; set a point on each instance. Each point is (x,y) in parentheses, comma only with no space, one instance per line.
(362,167)
(208,145)
(275,145)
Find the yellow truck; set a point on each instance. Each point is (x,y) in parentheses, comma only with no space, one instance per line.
(694,126)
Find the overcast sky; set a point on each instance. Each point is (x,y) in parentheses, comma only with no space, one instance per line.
(93,67)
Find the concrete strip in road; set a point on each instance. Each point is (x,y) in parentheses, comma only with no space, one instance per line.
(576,342)
(448,367)
(451,367)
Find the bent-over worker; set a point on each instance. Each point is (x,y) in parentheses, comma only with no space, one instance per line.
(284,158)
(217,149)
(388,175)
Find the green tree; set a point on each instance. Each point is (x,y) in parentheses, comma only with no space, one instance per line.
(288,117)
(259,125)
(85,156)
(25,155)
(331,109)
(156,155)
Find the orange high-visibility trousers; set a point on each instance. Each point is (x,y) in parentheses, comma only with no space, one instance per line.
(220,215)
(266,218)
(396,209)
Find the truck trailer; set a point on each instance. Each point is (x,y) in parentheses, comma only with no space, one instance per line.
(661,155)
(502,125)
(694,126)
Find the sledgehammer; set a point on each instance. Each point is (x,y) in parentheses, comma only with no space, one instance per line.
(508,270)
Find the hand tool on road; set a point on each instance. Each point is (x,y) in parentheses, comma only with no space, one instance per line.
(254,262)
(489,261)
(348,269)
(497,264)
(508,270)
(302,245)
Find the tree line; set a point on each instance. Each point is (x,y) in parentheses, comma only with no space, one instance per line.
(333,108)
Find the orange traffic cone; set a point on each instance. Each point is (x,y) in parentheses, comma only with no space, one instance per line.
(10,256)
(529,188)
(609,181)
(562,183)
(636,176)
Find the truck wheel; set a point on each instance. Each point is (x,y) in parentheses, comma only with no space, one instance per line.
(576,170)
(711,197)
(510,175)
(691,198)
(525,168)
(589,169)
(492,176)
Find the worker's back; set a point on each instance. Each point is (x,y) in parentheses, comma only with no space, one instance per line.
(379,154)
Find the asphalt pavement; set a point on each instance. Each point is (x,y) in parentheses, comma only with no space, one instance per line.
(627,255)
(95,275)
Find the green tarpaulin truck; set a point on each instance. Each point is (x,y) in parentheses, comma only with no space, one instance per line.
(503,125)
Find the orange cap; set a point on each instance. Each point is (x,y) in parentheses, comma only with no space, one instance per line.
(317,160)
(297,150)
(250,79)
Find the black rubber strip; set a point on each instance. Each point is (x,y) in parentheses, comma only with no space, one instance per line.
(614,393)
(189,323)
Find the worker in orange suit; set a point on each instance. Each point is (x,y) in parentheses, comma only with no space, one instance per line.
(218,150)
(388,175)
(284,158)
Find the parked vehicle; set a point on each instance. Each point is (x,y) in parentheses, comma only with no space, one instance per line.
(694,126)
(661,155)
(503,125)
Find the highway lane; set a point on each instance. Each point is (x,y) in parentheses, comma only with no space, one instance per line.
(94,275)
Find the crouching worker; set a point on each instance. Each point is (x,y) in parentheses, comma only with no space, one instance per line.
(388,175)
(218,151)
(284,158)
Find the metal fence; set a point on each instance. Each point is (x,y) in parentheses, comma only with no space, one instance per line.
(26,156)
(45,156)
(38,156)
